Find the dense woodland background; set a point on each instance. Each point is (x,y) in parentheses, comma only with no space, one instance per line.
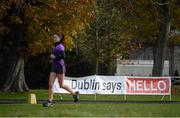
(97,32)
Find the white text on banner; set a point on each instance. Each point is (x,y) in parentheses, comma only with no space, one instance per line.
(148,85)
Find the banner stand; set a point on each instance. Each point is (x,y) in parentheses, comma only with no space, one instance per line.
(170,97)
(124,96)
(95,96)
(61,98)
(164,96)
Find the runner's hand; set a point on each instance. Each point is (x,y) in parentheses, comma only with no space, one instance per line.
(52,56)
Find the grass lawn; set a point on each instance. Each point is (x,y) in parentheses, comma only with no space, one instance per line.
(89,109)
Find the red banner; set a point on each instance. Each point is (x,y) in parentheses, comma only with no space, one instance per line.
(148,85)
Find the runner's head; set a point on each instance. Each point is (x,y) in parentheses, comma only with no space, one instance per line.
(57,38)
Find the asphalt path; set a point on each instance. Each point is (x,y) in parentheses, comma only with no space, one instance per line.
(89,102)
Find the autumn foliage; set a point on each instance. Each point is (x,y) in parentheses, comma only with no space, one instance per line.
(66,17)
(46,17)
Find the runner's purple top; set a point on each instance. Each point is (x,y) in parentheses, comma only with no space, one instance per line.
(58,65)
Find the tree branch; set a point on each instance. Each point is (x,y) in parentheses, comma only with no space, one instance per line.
(158,3)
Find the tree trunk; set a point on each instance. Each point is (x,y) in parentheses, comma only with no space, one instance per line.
(162,39)
(16,80)
(108,63)
(171,61)
(97,49)
(97,66)
(14,57)
(109,66)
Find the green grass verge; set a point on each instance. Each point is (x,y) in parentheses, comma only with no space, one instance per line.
(89,110)
(43,94)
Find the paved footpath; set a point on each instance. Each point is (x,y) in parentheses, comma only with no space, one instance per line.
(90,102)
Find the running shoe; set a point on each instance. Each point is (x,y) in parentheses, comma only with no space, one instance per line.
(76,97)
(47,104)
